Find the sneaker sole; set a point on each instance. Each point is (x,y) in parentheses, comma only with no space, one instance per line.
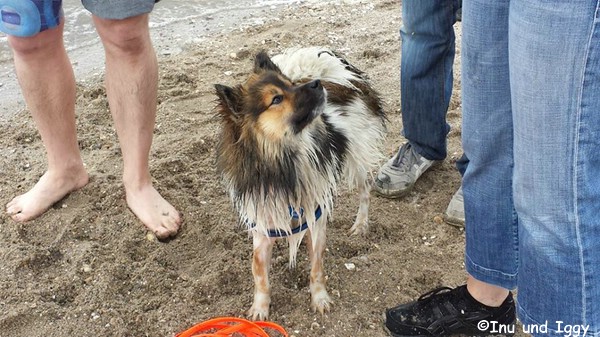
(393,195)
(396,335)
(402,193)
(385,328)
(452,221)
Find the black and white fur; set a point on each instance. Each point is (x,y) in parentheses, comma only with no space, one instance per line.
(327,127)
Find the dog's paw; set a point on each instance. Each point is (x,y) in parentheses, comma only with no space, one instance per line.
(321,302)
(258,312)
(361,225)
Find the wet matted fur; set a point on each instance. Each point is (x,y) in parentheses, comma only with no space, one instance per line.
(302,122)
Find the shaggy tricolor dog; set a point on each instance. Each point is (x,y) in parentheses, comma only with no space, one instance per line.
(300,123)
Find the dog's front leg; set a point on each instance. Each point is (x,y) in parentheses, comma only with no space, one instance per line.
(316,248)
(261,263)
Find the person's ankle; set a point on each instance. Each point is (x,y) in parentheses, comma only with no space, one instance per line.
(66,167)
(485,293)
(136,182)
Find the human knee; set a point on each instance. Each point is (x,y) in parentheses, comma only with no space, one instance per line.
(31,26)
(129,35)
(44,42)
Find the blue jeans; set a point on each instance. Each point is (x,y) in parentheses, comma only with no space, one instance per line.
(428,50)
(531,129)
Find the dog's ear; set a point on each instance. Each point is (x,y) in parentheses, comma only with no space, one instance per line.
(263,62)
(230,101)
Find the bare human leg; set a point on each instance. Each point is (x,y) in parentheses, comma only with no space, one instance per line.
(132,85)
(48,85)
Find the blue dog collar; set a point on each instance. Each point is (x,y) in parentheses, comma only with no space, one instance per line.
(277,233)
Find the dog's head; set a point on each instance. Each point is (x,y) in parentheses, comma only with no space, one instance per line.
(269,105)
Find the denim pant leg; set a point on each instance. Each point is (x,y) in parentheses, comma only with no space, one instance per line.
(555,80)
(491,223)
(428,50)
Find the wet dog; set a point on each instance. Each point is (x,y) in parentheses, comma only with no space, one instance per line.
(301,123)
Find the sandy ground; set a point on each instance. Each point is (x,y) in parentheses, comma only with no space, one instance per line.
(87,268)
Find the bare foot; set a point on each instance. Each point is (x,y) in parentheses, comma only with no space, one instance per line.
(157,214)
(49,189)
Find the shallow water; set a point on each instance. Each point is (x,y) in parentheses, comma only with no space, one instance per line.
(173,23)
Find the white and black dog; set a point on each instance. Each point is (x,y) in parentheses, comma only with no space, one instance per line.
(303,121)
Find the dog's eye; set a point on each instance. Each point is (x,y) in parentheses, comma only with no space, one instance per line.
(277,99)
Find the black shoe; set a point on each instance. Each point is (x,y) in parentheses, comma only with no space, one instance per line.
(446,311)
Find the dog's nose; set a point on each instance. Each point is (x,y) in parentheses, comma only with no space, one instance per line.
(316,84)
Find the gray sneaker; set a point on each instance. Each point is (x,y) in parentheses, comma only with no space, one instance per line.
(397,177)
(455,213)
